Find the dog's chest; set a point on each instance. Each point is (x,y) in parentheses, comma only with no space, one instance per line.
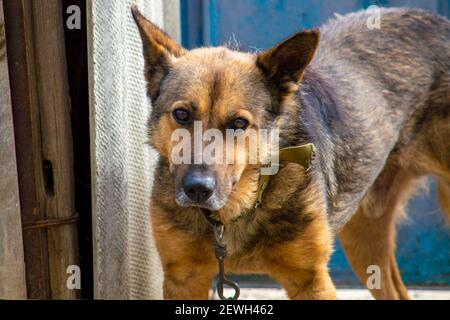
(248,240)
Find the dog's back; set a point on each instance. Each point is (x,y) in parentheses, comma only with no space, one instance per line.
(385,97)
(391,98)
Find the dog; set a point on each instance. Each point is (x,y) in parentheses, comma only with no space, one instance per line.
(374,102)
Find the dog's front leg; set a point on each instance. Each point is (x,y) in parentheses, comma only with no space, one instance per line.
(186,282)
(307,284)
(188,262)
(300,265)
(187,275)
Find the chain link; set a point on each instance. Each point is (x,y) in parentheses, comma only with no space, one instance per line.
(221,253)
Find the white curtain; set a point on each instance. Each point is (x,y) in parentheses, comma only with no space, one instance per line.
(12,266)
(126,264)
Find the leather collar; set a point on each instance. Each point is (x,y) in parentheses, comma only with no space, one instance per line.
(302,155)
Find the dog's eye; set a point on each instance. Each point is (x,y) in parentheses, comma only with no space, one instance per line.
(181,116)
(239,123)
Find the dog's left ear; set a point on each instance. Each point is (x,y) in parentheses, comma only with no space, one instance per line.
(159,52)
(285,63)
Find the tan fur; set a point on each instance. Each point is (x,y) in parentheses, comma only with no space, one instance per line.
(188,264)
(369,239)
(367,162)
(299,265)
(444,198)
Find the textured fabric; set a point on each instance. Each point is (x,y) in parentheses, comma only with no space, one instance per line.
(12,266)
(126,264)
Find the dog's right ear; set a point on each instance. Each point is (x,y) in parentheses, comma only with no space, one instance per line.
(159,52)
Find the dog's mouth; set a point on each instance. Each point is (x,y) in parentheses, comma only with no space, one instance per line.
(213,203)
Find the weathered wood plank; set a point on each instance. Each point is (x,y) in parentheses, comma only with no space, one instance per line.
(56,134)
(41,110)
(12,267)
(18,23)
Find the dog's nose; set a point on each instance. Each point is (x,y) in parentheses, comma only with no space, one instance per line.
(198,185)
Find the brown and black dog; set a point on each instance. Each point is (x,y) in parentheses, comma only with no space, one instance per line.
(376,105)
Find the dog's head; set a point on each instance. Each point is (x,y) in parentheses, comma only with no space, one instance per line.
(212,90)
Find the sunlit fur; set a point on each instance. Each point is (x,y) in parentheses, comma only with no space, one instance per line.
(376,105)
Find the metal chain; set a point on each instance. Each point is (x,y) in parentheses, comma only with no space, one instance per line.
(221,253)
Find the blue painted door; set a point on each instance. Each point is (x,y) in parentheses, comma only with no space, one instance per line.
(423,241)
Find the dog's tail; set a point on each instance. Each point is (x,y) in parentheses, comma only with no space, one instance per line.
(444,198)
